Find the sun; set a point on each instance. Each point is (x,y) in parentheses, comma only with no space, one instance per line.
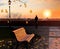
(47,13)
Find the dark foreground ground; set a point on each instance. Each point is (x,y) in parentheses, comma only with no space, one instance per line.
(41,31)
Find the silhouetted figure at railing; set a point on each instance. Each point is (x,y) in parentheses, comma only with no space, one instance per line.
(36,22)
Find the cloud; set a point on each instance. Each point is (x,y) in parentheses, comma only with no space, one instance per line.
(2,4)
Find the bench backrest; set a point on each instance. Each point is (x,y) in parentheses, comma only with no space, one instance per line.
(20,33)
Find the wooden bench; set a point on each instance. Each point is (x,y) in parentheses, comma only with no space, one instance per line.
(21,35)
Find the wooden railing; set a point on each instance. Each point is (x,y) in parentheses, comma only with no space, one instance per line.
(26,22)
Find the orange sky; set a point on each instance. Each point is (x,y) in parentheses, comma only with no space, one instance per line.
(31,9)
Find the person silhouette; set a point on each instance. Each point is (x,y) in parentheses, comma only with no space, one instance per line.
(36,21)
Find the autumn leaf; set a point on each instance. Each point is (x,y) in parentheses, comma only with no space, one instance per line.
(30,11)
(20,5)
(6,11)
(2,10)
(25,4)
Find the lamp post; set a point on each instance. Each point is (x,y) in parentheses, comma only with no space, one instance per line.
(9,2)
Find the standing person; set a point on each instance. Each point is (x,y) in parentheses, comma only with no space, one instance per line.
(36,21)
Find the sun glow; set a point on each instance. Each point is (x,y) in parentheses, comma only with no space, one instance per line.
(47,13)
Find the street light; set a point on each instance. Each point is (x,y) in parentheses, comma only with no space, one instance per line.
(9,2)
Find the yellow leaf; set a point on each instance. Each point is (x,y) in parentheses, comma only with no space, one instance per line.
(6,11)
(30,11)
(25,4)
(2,10)
(20,5)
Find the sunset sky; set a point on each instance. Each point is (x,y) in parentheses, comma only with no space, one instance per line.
(30,9)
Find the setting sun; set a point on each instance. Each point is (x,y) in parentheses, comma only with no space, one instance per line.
(47,13)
